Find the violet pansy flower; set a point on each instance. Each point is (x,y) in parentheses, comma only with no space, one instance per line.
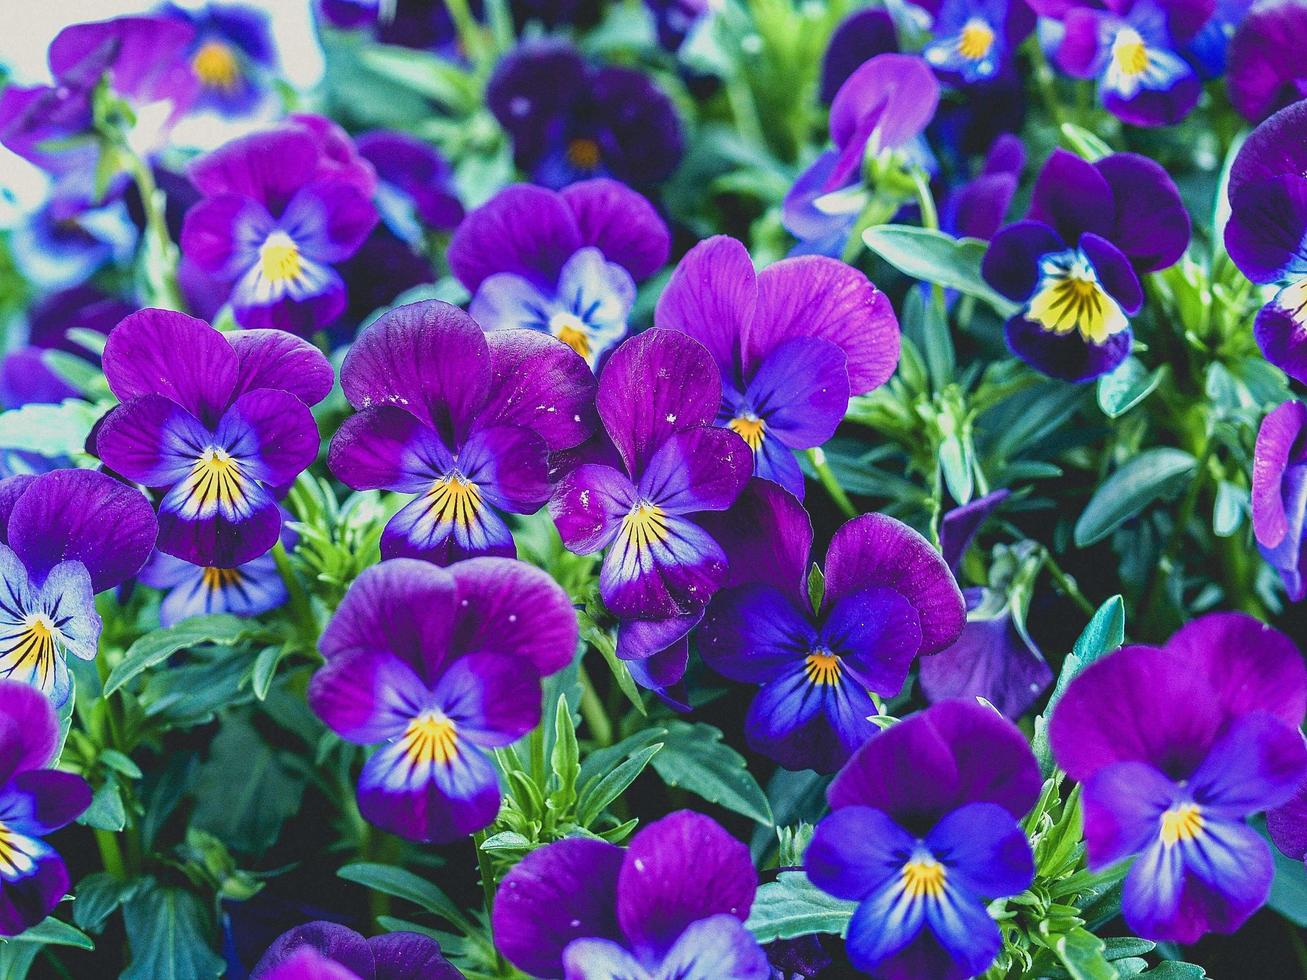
(414,185)
(1279,495)
(65,241)
(202,590)
(976,208)
(658,395)
(328,951)
(1265,74)
(1175,747)
(791,344)
(888,598)
(217,422)
(280,210)
(924,833)
(64,536)
(34,801)
(859,37)
(442,666)
(669,906)
(1074,262)
(570,120)
(564,263)
(232,55)
(1267,229)
(463,419)
(880,110)
(974,41)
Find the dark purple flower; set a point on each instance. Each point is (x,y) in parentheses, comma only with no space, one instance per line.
(201,590)
(462,418)
(657,398)
(67,240)
(217,421)
(1266,231)
(327,951)
(441,665)
(280,209)
(34,801)
(1279,495)
(859,37)
(1074,263)
(232,56)
(1209,49)
(888,598)
(423,24)
(923,834)
(976,209)
(415,187)
(791,343)
(64,536)
(676,20)
(975,40)
(570,120)
(881,109)
(1134,49)
(564,263)
(1175,747)
(1287,825)
(672,904)
(1264,74)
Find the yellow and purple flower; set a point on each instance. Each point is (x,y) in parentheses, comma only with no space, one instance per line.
(461,418)
(280,210)
(1175,747)
(1279,495)
(564,263)
(1074,262)
(924,833)
(658,396)
(218,422)
(670,904)
(34,801)
(64,536)
(975,41)
(1267,230)
(202,590)
(888,598)
(792,343)
(415,185)
(328,951)
(440,665)
(232,56)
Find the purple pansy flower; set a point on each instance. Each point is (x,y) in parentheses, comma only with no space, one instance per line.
(676,20)
(1279,495)
(441,665)
(570,120)
(791,343)
(1265,74)
(881,109)
(923,834)
(859,37)
(1176,746)
(1267,230)
(34,801)
(976,209)
(462,418)
(1287,825)
(658,396)
(974,41)
(327,951)
(422,24)
(232,55)
(888,598)
(564,263)
(216,421)
(669,906)
(1074,263)
(415,185)
(64,536)
(67,240)
(1134,49)
(201,590)
(280,209)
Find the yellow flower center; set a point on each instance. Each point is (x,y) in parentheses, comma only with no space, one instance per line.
(279,258)
(1184,822)
(28,653)
(976,40)
(215,579)
(750,428)
(645,525)
(1129,53)
(216,481)
(583,153)
(429,738)
(1070,298)
(923,877)
(454,498)
(216,65)
(571,330)
(822,667)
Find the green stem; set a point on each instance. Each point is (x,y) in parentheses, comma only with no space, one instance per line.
(111,855)
(832,485)
(745,111)
(488,890)
(469,33)
(162,255)
(592,710)
(1067,584)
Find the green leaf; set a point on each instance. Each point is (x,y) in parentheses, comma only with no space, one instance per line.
(793,906)
(106,811)
(158,646)
(1085,143)
(51,431)
(934,257)
(816,585)
(695,758)
(1126,387)
(246,789)
(265,669)
(168,930)
(602,790)
(55,932)
(566,756)
(389,880)
(118,762)
(1081,952)
(1123,495)
(1175,970)
(1227,513)
(1123,947)
(97,897)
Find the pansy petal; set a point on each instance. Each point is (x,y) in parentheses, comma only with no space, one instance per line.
(332,942)
(329,219)
(305,304)
(411,956)
(1278,146)
(276,359)
(50,800)
(712,296)
(219,540)
(588,506)
(663,672)
(985,850)
(1256,764)
(249,590)
(540,383)
(431,801)
(492,698)
(1281,440)
(1067,357)
(1072,197)
(222,234)
(698,469)
(1152,226)
(25,902)
(1011,263)
(899,91)
(963,926)
(775,462)
(524,229)
(1282,338)
(620,223)
(876,632)
(800,391)
(386,448)
(272,432)
(266,166)
(678,870)
(810,719)
(1158,107)
(1114,272)
(563,891)
(11,488)
(1124,803)
(883,925)
(151,440)
(159,352)
(660,567)
(447,525)
(600,959)
(767,536)
(29,730)
(367,697)
(1287,825)
(961,524)
(640,639)
(752,633)
(991,659)
(509,465)
(715,947)
(855,851)
(511,607)
(679,388)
